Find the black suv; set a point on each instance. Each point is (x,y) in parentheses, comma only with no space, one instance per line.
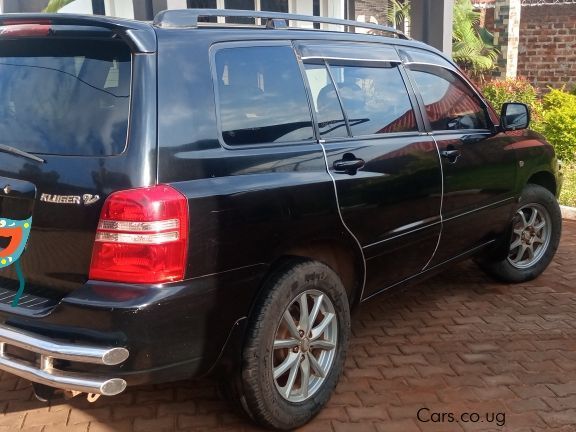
(188,196)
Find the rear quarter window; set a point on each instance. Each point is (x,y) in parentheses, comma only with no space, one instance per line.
(261,96)
(65,97)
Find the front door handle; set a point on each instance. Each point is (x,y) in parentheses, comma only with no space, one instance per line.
(474,138)
(451,155)
(348,164)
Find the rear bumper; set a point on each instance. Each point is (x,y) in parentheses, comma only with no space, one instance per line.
(106,336)
(45,351)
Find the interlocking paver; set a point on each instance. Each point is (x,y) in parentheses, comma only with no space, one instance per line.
(459,343)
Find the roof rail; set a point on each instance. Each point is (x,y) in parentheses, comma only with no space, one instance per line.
(188,18)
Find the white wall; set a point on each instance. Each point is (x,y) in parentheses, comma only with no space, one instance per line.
(332,9)
(119,8)
(78,6)
(176,4)
(301,7)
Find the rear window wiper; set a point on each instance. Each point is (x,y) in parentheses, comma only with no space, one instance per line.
(13,150)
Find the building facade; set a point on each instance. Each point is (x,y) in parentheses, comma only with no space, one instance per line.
(536,38)
(431,20)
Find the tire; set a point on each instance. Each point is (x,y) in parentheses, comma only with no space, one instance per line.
(540,237)
(269,401)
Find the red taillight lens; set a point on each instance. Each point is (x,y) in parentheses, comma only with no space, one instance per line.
(23,27)
(142,236)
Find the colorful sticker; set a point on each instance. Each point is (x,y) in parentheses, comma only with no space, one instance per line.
(17,231)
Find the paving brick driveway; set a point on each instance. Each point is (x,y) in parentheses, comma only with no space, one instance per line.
(456,344)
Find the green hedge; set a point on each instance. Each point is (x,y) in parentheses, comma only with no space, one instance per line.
(558,123)
(554,115)
(568,194)
(513,90)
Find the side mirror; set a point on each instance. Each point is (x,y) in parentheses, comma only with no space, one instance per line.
(514,116)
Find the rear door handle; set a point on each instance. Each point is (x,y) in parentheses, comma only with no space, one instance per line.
(348,165)
(451,155)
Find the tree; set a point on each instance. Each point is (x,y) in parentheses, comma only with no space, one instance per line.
(56,5)
(472,46)
(398,14)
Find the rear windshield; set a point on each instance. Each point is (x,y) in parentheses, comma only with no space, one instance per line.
(65,97)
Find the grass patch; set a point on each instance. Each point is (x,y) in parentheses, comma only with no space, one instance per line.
(568,194)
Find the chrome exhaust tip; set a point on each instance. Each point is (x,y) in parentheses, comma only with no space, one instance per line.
(115,356)
(112,387)
(44,372)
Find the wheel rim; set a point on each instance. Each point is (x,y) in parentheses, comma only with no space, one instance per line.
(531,236)
(304,346)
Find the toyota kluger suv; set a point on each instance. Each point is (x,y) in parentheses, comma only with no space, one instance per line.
(185,197)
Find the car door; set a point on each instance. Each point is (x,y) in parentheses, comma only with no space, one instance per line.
(386,171)
(479,167)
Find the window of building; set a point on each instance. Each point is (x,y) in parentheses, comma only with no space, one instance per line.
(329,114)
(254,5)
(203,4)
(261,96)
(450,103)
(332,8)
(240,5)
(375,99)
(274,5)
(198,4)
(316,12)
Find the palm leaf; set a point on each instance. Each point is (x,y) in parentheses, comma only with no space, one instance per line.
(56,5)
(472,46)
(398,13)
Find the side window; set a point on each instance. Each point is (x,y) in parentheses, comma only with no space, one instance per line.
(375,99)
(450,103)
(261,96)
(329,114)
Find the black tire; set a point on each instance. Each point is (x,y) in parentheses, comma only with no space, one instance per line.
(504,270)
(254,386)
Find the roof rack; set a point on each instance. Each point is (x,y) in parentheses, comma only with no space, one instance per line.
(188,18)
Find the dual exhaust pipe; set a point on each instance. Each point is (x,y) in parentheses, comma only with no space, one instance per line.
(47,350)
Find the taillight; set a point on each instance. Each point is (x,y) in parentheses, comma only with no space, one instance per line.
(23,27)
(142,236)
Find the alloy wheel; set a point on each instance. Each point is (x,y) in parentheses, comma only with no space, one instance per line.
(531,236)
(304,346)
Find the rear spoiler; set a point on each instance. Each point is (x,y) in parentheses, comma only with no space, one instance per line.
(140,36)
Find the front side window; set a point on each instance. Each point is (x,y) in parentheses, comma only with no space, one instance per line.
(375,99)
(450,103)
(261,96)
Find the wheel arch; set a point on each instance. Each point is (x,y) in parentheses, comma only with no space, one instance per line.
(347,265)
(341,257)
(545,179)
